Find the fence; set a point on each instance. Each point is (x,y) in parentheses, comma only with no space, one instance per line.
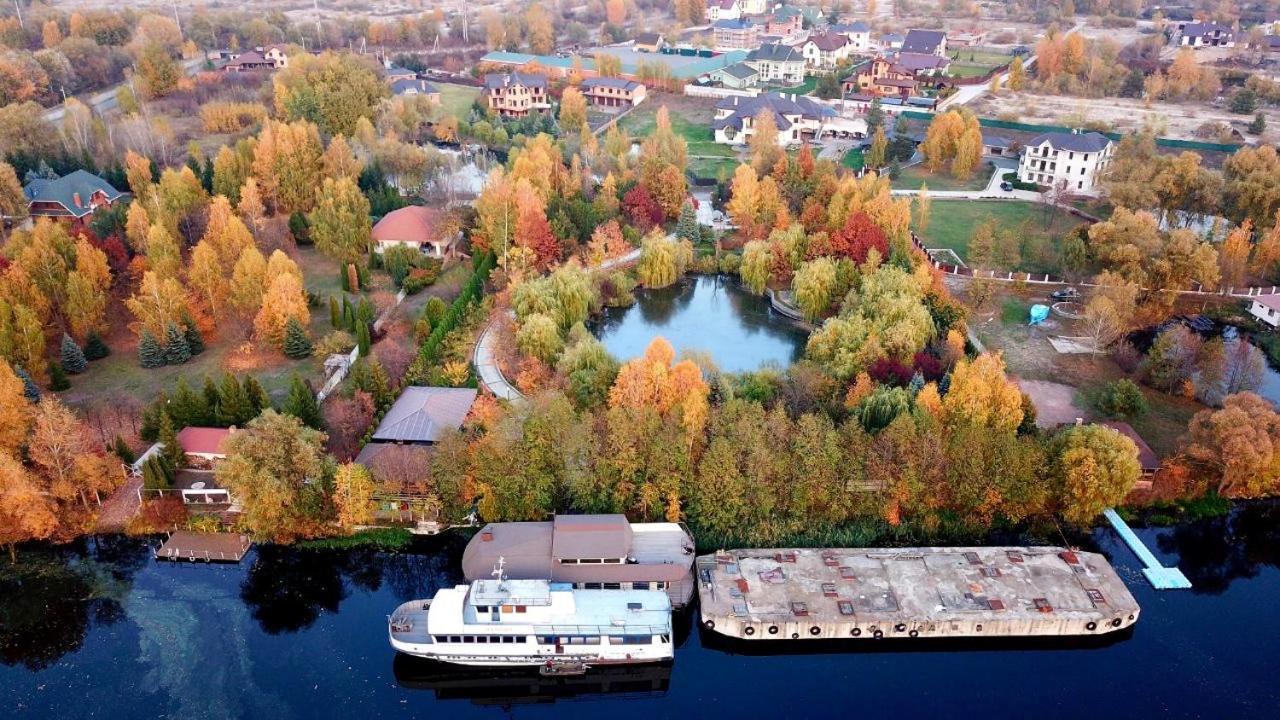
(717,92)
(341,373)
(1037,128)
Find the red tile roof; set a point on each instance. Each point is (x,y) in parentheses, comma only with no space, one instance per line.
(203,440)
(413,224)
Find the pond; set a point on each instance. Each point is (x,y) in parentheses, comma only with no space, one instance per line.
(711,313)
(99,629)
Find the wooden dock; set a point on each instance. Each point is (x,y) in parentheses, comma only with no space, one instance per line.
(204,547)
(1160,577)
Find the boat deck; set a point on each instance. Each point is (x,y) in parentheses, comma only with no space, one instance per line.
(830,593)
(204,547)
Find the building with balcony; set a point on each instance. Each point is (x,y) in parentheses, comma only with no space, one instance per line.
(515,94)
(1071,162)
(613,92)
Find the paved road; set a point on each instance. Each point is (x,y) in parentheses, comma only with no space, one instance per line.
(106,100)
(968,93)
(991,191)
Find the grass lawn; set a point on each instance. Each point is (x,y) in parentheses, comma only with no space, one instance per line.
(854,159)
(912,177)
(805,88)
(457,99)
(707,158)
(715,168)
(978,57)
(952,223)
(967,71)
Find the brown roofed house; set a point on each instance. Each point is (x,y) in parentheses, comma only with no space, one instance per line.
(590,551)
(204,443)
(424,228)
(1147,458)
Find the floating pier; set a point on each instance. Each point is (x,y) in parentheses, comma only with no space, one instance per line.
(1160,577)
(970,592)
(204,547)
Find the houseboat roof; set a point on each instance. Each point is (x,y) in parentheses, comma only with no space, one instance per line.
(611,612)
(652,551)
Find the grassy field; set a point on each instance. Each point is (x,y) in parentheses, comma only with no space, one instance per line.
(854,159)
(707,158)
(457,99)
(952,223)
(808,86)
(912,177)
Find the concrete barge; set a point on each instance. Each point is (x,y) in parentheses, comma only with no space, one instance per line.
(793,594)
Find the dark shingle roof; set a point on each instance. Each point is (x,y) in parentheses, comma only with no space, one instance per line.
(409,86)
(776,53)
(923,41)
(64,189)
(829,41)
(494,81)
(610,82)
(424,414)
(741,71)
(1201,29)
(779,104)
(1075,142)
(913,62)
(733,24)
(648,38)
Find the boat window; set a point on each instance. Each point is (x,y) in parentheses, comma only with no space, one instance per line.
(664,638)
(639,586)
(613,586)
(468,639)
(615,639)
(481,639)
(591,586)
(546,640)
(521,608)
(660,585)
(482,608)
(589,561)
(455,638)
(613,561)
(507,608)
(593,641)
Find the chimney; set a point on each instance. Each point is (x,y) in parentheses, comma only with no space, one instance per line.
(76,198)
(486,537)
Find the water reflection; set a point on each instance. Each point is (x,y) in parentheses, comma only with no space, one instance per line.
(1216,552)
(519,686)
(709,313)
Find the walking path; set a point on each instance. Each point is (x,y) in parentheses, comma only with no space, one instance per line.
(1160,577)
(485,359)
(123,504)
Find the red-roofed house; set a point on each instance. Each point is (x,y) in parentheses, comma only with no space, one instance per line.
(424,228)
(204,443)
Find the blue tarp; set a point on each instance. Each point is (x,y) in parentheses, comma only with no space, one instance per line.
(1039,313)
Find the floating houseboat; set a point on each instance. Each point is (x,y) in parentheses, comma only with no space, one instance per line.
(911,593)
(590,552)
(505,623)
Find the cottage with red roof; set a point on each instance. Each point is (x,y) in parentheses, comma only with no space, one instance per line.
(425,228)
(205,444)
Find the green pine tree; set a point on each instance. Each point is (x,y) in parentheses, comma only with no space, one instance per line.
(176,349)
(150,353)
(153,474)
(195,340)
(123,451)
(380,387)
(212,397)
(95,348)
(348,315)
(301,403)
(365,312)
(1258,125)
(73,360)
(149,430)
(234,407)
(335,313)
(258,400)
(29,388)
(296,343)
(687,226)
(362,339)
(58,378)
(172,448)
(187,406)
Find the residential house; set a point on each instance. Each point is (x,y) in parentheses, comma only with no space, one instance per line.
(650,42)
(252,61)
(891,41)
(515,94)
(204,446)
(997,145)
(73,196)
(754,7)
(417,226)
(737,76)
(1070,161)
(276,55)
(416,87)
(613,92)
(966,39)
(927,42)
(859,35)
(881,77)
(1207,34)
(1266,309)
(778,63)
(735,34)
(796,117)
(423,415)
(823,51)
(785,21)
(723,10)
(1148,461)
(395,73)
(920,65)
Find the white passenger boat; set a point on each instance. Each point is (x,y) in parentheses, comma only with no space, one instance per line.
(505,622)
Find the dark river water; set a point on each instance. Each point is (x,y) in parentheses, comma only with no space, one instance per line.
(100,630)
(709,313)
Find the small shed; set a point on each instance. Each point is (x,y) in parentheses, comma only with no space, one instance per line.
(1147,458)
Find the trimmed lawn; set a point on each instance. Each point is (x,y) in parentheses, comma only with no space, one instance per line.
(913,176)
(805,88)
(707,158)
(952,223)
(854,159)
(457,99)
(713,168)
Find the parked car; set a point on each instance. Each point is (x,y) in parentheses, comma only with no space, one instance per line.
(1006,186)
(1069,293)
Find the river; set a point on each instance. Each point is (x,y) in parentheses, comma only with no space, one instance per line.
(99,629)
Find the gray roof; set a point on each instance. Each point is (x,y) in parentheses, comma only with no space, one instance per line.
(781,103)
(408,87)
(64,189)
(914,62)
(923,41)
(732,24)
(1200,29)
(996,141)
(610,82)
(495,81)
(1075,142)
(853,27)
(742,71)
(424,414)
(775,52)
(649,38)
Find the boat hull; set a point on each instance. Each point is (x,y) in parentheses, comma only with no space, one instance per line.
(442,653)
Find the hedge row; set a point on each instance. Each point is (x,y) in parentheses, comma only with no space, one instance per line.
(471,293)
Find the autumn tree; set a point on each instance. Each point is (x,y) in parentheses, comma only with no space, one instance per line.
(875,157)
(287,164)
(353,488)
(1094,467)
(158,303)
(663,260)
(332,90)
(13,204)
(573,110)
(532,231)
(15,411)
(339,222)
(763,142)
(981,395)
(283,300)
(814,284)
(657,382)
(277,470)
(1238,446)
(922,208)
(26,511)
